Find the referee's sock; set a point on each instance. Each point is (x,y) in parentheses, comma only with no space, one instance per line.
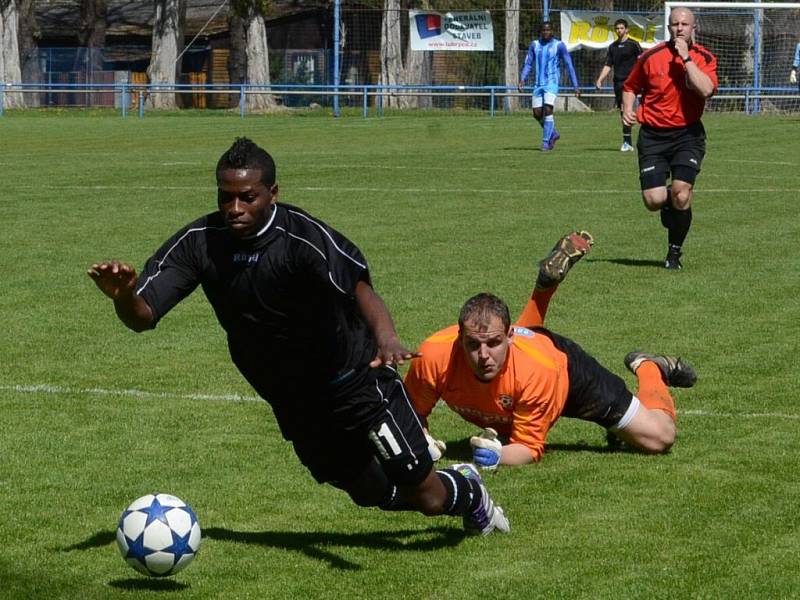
(626,134)
(679,228)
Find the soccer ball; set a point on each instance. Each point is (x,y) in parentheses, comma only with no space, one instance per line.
(158,535)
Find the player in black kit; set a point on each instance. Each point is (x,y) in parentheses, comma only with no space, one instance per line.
(309,333)
(622,55)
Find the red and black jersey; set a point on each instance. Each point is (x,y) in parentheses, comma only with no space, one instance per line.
(285,297)
(660,77)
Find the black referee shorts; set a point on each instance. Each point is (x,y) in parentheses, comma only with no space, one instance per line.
(595,393)
(662,152)
(364,417)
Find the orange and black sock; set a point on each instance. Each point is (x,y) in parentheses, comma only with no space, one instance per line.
(653,392)
(535,310)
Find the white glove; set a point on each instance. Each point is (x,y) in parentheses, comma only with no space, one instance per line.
(486,449)
(793,76)
(436,448)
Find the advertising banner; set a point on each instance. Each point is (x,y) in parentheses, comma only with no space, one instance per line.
(451,31)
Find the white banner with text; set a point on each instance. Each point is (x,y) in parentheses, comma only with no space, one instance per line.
(451,31)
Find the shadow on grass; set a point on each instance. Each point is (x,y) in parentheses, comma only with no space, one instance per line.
(315,545)
(630,262)
(149,584)
(461,451)
(318,545)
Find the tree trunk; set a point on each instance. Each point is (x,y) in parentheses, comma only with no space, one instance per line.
(10,71)
(418,71)
(255,36)
(92,36)
(92,33)
(170,16)
(511,103)
(237,59)
(391,51)
(27,39)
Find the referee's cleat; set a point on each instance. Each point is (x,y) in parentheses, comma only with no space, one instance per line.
(487,517)
(554,267)
(626,147)
(676,371)
(554,137)
(673,260)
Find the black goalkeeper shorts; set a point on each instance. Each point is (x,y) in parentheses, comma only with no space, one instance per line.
(595,393)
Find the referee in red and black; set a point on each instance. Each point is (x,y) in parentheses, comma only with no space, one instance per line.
(674,80)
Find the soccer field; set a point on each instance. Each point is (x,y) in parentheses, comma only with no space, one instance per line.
(93,416)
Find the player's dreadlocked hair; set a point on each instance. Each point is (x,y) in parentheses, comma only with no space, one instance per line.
(482,308)
(245,154)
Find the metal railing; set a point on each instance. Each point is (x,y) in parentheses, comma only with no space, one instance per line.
(131,97)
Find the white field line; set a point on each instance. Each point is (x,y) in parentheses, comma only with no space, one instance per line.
(142,394)
(57,389)
(439,190)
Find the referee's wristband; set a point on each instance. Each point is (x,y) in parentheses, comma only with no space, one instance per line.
(688,59)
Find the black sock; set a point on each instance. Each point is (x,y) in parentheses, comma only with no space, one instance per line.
(626,134)
(463,494)
(681,222)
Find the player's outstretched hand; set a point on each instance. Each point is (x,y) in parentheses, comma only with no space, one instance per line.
(486,449)
(436,448)
(391,351)
(115,279)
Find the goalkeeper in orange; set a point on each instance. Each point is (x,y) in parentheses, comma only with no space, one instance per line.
(516,380)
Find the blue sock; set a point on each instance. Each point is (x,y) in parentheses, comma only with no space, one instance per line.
(549,125)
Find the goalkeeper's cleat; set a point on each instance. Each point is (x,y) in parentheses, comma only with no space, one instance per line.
(554,137)
(554,267)
(673,259)
(626,147)
(676,371)
(487,517)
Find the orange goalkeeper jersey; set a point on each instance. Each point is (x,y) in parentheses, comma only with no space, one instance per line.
(522,403)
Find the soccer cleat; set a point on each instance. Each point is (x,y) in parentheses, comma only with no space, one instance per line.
(673,260)
(676,371)
(547,146)
(554,267)
(487,516)
(626,147)
(554,137)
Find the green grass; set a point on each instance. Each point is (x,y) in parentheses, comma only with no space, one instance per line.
(443,207)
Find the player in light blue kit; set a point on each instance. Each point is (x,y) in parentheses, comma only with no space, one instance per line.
(795,67)
(545,56)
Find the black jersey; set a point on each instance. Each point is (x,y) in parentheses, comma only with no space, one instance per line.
(285,298)
(622,56)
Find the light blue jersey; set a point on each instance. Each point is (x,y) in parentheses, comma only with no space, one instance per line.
(796,62)
(546,59)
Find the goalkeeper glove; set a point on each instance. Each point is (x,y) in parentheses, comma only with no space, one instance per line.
(436,448)
(793,76)
(486,449)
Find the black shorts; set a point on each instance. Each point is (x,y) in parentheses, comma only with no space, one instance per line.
(364,417)
(663,151)
(595,393)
